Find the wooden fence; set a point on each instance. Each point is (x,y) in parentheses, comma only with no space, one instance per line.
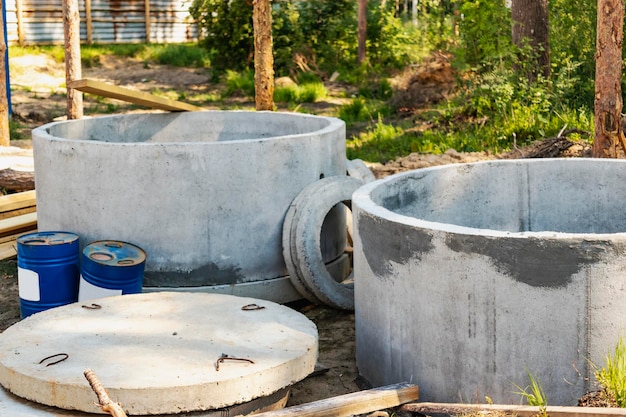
(31,22)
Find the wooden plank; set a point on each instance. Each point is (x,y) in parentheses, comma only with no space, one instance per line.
(8,250)
(350,404)
(17,200)
(13,238)
(517,410)
(18,223)
(18,212)
(8,244)
(131,96)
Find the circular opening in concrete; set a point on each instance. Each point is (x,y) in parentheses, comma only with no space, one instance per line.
(218,126)
(563,196)
(471,276)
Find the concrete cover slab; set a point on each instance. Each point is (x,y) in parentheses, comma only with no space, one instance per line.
(157,353)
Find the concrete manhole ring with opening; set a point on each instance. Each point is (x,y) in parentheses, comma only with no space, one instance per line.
(301,241)
(159,353)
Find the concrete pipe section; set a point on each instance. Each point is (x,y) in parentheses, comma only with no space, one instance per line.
(470,276)
(158,353)
(203,193)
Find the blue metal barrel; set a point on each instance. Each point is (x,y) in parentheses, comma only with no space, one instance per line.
(47,270)
(111,268)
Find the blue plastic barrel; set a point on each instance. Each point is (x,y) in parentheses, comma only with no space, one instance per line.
(47,270)
(110,268)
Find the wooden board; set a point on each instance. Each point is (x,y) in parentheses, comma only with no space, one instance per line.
(351,404)
(516,410)
(16,204)
(131,96)
(17,224)
(17,217)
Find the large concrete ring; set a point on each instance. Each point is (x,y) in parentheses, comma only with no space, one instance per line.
(302,240)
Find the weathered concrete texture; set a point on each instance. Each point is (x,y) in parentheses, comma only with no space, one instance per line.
(468,276)
(204,193)
(158,353)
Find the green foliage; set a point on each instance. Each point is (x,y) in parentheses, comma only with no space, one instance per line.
(612,377)
(287,94)
(386,36)
(356,111)
(533,393)
(309,92)
(376,89)
(16,130)
(573,46)
(380,143)
(239,83)
(227,31)
(319,34)
(180,55)
(485,34)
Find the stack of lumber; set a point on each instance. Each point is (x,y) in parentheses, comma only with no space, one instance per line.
(18,216)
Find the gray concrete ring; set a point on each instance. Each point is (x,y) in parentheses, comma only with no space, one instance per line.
(318,200)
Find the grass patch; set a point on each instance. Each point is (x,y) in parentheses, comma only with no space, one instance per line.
(612,377)
(180,55)
(533,393)
(239,83)
(309,92)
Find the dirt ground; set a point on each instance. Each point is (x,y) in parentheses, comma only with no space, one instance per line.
(38,97)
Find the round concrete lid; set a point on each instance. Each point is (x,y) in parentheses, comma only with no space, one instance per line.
(158,353)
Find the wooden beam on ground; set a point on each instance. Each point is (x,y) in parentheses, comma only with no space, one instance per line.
(517,410)
(19,203)
(351,404)
(131,96)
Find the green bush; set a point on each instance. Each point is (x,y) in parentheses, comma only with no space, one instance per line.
(485,35)
(227,32)
(321,34)
(286,94)
(239,83)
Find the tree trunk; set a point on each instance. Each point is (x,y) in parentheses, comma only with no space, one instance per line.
(263,55)
(530,22)
(5,138)
(608,98)
(362,12)
(71,24)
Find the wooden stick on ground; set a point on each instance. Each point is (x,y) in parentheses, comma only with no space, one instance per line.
(105,402)
(350,404)
(517,410)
